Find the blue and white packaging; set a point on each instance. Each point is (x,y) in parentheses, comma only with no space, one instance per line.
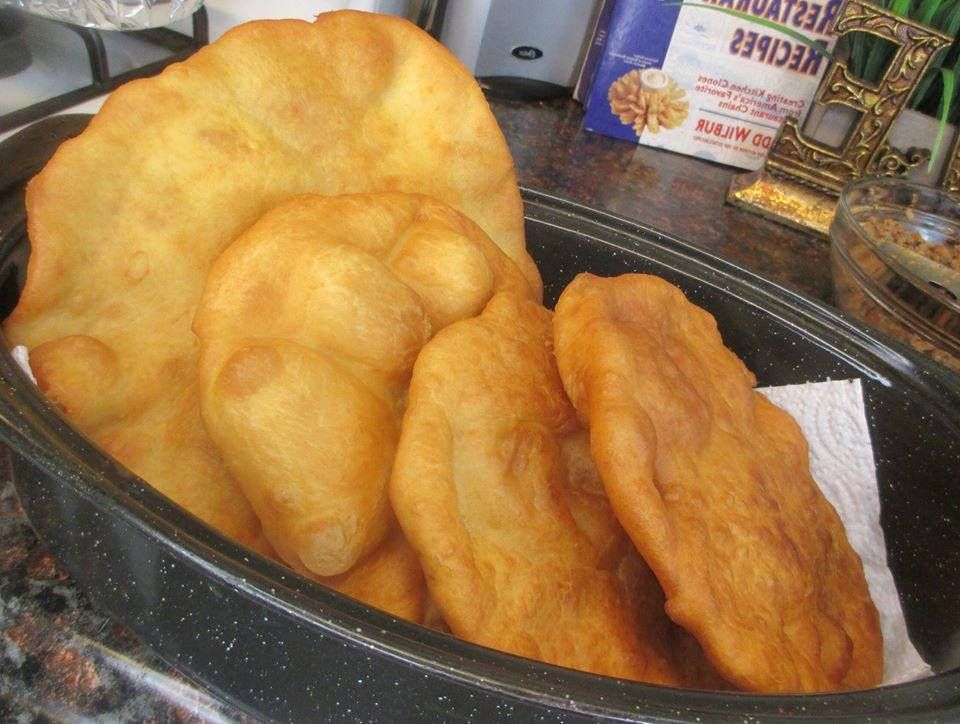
(704,83)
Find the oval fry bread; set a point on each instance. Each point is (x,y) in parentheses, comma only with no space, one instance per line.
(712,483)
(494,488)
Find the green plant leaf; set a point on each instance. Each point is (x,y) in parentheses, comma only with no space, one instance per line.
(945,16)
(919,98)
(941,15)
(927,9)
(948,77)
(859,47)
(954,110)
(800,37)
(901,8)
(881,52)
(951,21)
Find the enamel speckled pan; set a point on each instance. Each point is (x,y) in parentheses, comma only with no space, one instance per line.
(280,647)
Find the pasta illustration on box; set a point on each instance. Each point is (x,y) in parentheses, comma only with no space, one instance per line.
(704,83)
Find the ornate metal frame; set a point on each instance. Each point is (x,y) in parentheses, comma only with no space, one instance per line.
(801,178)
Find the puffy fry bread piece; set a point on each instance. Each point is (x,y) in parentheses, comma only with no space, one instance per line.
(494,487)
(309,325)
(712,483)
(126,219)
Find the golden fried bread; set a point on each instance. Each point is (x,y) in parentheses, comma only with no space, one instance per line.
(390,578)
(162,441)
(712,483)
(494,488)
(309,325)
(126,219)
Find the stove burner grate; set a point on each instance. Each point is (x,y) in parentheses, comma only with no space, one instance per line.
(180,46)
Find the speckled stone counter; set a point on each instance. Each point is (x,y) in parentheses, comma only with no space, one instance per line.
(62,659)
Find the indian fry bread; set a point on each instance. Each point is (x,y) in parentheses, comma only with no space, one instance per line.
(309,326)
(711,481)
(126,219)
(494,488)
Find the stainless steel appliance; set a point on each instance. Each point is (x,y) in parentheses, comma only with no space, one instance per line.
(528,49)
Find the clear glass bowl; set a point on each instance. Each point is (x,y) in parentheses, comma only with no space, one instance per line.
(909,295)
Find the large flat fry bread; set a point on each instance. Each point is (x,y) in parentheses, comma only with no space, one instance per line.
(494,488)
(126,219)
(712,483)
(309,325)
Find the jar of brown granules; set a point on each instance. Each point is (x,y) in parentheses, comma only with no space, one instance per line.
(895,255)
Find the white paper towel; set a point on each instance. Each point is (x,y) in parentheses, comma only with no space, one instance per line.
(833,418)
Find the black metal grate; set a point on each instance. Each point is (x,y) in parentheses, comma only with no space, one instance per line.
(102,81)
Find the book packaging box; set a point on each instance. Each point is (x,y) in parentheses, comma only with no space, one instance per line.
(704,83)
(591,60)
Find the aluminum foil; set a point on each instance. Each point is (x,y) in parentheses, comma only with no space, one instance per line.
(110,14)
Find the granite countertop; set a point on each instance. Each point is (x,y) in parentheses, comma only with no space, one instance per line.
(61,658)
(679,195)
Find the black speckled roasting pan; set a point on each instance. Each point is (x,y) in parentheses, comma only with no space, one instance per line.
(280,647)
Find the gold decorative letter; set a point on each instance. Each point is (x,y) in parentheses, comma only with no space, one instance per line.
(802,177)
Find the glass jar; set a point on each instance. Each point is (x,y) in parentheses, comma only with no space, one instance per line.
(895,248)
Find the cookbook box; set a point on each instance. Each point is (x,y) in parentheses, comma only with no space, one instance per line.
(702,82)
